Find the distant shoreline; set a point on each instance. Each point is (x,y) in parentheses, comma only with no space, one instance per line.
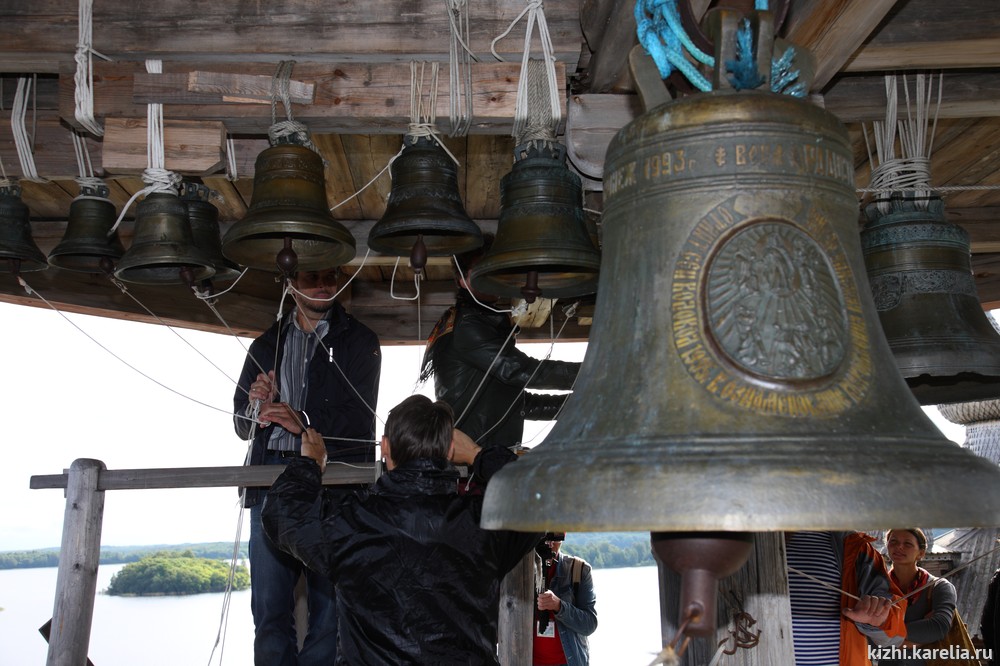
(607,550)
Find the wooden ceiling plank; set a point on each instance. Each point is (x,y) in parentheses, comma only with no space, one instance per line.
(860,97)
(349,97)
(40,35)
(832,30)
(488,160)
(340,184)
(957,54)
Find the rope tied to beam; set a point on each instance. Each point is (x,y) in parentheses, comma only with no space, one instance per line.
(84,76)
(908,171)
(157,177)
(288,131)
(536,15)
(460,59)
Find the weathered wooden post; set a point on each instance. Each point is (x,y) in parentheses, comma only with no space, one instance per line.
(79,556)
(517,613)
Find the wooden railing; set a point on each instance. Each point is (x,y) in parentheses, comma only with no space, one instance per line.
(79,556)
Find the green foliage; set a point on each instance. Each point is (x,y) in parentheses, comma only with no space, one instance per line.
(610,550)
(49,557)
(176,573)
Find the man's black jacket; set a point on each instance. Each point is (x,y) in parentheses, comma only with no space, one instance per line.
(417,578)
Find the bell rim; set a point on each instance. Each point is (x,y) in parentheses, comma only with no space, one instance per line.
(633,485)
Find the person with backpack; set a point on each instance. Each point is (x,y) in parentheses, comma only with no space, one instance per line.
(566,603)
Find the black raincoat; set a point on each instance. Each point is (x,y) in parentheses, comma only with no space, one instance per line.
(417,578)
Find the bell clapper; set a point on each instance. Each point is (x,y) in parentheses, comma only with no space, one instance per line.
(702,559)
(107,265)
(418,255)
(187,276)
(530,290)
(287,259)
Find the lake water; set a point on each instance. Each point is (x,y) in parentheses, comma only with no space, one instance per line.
(181,631)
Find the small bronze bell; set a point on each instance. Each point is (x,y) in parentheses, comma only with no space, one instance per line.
(204,219)
(289,211)
(424,207)
(163,249)
(920,269)
(16,244)
(86,246)
(543,246)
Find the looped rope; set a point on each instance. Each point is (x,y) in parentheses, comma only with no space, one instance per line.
(84,77)
(661,33)
(157,177)
(536,15)
(423,109)
(538,122)
(460,59)
(280,83)
(910,171)
(22,140)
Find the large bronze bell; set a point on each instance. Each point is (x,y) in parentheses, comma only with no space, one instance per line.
(86,246)
(920,270)
(542,247)
(737,377)
(163,250)
(289,209)
(16,244)
(204,219)
(424,207)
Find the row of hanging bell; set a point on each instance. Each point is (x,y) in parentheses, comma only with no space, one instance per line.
(172,236)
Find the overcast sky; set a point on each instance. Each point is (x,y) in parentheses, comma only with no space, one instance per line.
(65,398)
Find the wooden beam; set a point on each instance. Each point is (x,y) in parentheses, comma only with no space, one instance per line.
(931,54)
(861,97)
(833,30)
(349,98)
(40,36)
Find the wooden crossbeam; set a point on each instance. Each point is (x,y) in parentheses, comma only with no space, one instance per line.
(348,97)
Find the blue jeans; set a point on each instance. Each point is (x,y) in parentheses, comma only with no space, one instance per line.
(273,576)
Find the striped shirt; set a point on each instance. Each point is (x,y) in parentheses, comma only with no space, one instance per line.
(293,380)
(815,608)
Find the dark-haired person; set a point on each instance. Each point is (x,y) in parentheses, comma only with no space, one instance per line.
(567,611)
(417,578)
(317,367)
(479,371)
(929,612)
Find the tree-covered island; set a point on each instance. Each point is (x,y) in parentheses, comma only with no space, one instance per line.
(167,573)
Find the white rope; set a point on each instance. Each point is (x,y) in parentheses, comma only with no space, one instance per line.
(910,171)
(536,14)
(231,174)
(84,77)
(423,113)
(22,141)
(459,68)
(392,282)
(156,176)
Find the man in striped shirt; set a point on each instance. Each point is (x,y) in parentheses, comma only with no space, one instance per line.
(841,598)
